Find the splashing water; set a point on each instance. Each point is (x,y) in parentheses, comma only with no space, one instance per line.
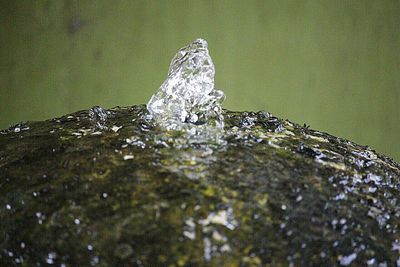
(99,116)
(187,100)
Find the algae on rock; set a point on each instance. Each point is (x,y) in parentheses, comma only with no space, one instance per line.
(275,194)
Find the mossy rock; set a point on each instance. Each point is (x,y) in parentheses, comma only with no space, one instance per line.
(83,190)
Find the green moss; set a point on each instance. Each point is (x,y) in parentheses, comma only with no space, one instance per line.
(276,193)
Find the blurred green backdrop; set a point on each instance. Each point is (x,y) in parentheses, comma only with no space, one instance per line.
(331,64)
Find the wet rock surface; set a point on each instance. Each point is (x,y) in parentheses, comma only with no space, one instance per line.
(111,188)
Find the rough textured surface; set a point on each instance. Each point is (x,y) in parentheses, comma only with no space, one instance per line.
(108,188)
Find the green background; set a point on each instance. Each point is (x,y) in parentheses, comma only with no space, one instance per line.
(334,65)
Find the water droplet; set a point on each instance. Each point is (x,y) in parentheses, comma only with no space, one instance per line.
(99,116)
(347,260)
(190,235)
(116,128)
(128,157)
(77,221)
(95,260)
(225,248)
(396,246)
(51,257)
(265,115)
(222,217)
(280,128)
(207,249)
(135,141)
(40,216)
(340,196)
(248,122)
